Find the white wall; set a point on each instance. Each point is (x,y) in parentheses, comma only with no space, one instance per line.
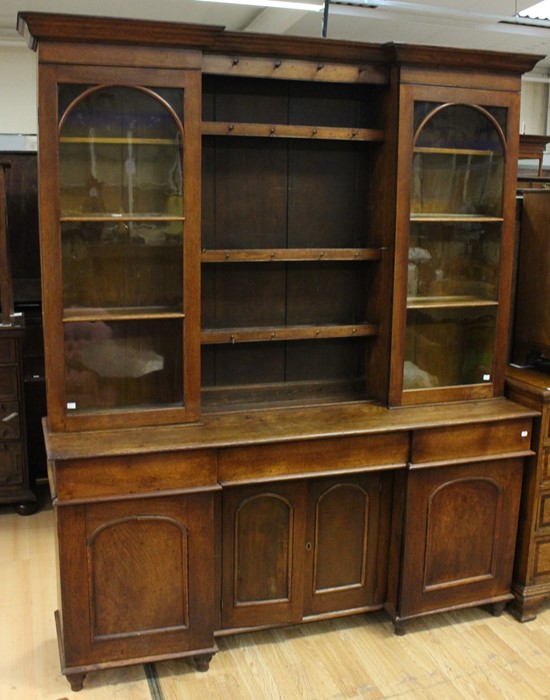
(534,107)
(18,109)
(18,112)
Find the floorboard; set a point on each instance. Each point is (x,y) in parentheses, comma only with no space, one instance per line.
(464,655)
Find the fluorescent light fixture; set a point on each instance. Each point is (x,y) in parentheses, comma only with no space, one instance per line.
(281,4)
(541,10)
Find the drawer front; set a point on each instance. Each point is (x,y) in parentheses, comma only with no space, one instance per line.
(106,477)
(10,426)
(542,559)
(310,457)
(545,476)
(7,351)
(463,442)
(9,386)
(11,463)
(544,421)
(544,512)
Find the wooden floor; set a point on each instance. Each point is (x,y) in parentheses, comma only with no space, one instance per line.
(468,654)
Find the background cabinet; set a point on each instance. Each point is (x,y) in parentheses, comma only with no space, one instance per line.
(532,565)
(531,334)
(24,257)
(14,471)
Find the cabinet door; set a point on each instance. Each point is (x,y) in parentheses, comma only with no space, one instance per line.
(347,543)
(263,545)
(305,548)
(460,534)
(454,250)
(135,579)
(120,246)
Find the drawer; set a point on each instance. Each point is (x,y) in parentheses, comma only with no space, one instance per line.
(9,385)
(461,443)
(544,512)
(313,457)
(8,353)
(11,463)
(545,475)
(542,559)
(132,475)
(10,426)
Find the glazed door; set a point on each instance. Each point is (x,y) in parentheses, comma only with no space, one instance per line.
(121,213)
(454,245)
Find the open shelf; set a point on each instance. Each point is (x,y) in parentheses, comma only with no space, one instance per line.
(119,140)
(248,335)
(115,218)
(436,150)
(442,217)
(120,314)
(289,254)
(444,302)
(281,394)
(291,131)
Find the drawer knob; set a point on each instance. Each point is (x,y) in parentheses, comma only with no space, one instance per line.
(9,417)
(524,433)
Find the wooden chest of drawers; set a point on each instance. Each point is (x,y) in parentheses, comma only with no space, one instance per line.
(14,473)
(532,565)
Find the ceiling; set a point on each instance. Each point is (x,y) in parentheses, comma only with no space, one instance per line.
(474,24)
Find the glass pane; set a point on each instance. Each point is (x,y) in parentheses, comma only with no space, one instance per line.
(121,182)
(121,160)
(120,151)
(123,364)
(454,260)
(454,245)
(105,266)
(457,183)
(458,162)
(448,347)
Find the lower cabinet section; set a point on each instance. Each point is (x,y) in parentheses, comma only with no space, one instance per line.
(295,550)
(141,587)
(459,537)
(161,551)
